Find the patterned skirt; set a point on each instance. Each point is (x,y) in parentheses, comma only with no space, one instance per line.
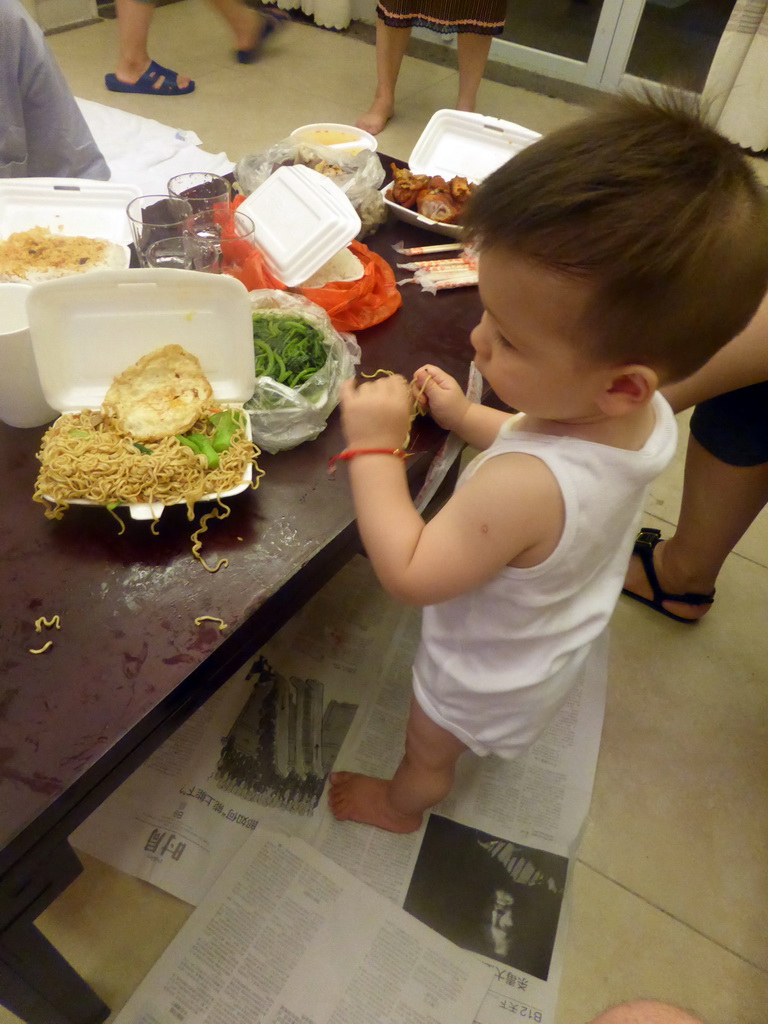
(484,17)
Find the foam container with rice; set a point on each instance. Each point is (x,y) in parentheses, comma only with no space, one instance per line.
(87,330)
(67,208)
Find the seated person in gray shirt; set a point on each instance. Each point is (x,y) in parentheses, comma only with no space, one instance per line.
(42,131)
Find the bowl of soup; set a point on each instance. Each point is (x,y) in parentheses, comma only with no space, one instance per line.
(345,137)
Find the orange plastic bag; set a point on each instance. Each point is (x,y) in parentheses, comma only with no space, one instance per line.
(253,273)
(355,305)
(351,305)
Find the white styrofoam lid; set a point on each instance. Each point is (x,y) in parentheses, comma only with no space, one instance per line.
(87,329)
(302,219)
(70,206)
(456,142)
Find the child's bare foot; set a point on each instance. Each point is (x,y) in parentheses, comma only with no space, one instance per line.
(373,120)
(362,798)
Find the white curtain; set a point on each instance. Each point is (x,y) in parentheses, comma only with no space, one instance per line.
(328,13)
(736,89)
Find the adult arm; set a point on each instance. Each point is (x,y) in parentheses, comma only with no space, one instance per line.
(741,362)
(44,133)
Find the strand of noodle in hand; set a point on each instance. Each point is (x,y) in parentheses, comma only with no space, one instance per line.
(417,410)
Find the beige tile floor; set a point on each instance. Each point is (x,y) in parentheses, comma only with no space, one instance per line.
(670,885)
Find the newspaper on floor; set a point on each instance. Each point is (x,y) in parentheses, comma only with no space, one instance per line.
(258,751)
(285,936)
(487,870)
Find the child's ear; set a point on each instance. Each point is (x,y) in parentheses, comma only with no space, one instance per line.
(629,388)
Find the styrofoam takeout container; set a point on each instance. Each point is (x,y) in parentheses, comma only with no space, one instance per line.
(313,133)
(67,206)
(459,143)
(302,219)
(86,330)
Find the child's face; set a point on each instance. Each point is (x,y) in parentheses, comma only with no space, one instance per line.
(527,345)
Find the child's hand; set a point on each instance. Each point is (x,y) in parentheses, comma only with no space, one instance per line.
(377,414)
(441,394)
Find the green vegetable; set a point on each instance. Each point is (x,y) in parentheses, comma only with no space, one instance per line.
(78,433)
(142,448)
(227,425)
(287,348)
(201,445)
(265,358)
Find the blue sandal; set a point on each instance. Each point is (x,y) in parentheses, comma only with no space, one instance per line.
(274,22)
(147,84)
(646,541)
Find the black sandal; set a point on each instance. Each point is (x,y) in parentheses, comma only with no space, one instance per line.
(646,541)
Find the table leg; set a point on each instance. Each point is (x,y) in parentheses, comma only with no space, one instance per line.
(38,985)
(36,982)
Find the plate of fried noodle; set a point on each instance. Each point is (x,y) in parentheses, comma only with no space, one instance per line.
(83,461)
(90,458)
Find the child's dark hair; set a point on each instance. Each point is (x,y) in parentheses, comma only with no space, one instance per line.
(658,210)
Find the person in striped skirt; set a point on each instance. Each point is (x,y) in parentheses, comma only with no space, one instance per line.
(474,24)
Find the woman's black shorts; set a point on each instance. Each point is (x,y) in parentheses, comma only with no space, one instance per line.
(734,427)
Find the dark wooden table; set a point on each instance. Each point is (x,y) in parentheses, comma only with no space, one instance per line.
(128,665)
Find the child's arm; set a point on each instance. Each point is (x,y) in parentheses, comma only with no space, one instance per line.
(510,511)
(449,406)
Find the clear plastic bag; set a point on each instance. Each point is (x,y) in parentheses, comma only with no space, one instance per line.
(359,175)
(283,417)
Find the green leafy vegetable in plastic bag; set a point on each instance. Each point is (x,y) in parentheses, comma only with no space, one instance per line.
(287,348)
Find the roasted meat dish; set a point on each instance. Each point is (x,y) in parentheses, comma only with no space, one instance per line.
(433,197)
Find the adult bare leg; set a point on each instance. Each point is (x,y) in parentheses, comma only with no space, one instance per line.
(424,776)
(391,44)
(133,22)
(473,53)
(719,503)
(246,24)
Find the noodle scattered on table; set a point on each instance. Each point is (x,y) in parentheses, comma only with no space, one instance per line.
(52,623)
(211,618)
(215,513)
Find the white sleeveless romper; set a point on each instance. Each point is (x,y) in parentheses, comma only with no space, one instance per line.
(495,664)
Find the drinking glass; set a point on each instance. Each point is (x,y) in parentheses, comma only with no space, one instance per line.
(155,217)
(183,252)
(233,234)
(201,190)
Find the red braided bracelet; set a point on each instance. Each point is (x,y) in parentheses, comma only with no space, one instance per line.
(350,453)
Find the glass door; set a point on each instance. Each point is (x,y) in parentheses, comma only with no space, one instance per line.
(567,39)
(604,43)
(672,42)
